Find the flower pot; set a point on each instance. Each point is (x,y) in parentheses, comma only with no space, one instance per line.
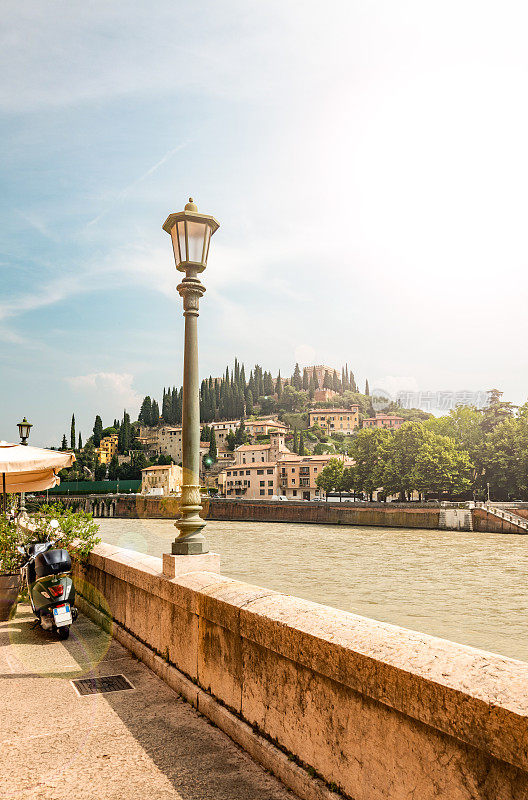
(9,591)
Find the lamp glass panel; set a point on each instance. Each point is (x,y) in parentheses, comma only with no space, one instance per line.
(174,237)
(195,233)
(181,239)
(207,236)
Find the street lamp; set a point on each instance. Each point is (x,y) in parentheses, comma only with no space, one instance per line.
(191,234)
(24,429)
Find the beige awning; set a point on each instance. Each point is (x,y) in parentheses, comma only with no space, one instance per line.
(30,469)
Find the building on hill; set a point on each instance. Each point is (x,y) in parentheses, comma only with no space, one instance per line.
(260,451)
(161,480)
(321,370)
(107,448)
(324,395)
(222,429)
(389,421)
(335,420)
(256,427)
(297,475)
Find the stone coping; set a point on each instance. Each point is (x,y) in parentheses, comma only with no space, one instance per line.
(477,697)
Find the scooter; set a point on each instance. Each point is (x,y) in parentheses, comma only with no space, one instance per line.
(51,590)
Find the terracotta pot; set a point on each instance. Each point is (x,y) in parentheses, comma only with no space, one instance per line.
(9,591)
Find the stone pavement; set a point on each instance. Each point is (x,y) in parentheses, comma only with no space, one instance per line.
(141,743)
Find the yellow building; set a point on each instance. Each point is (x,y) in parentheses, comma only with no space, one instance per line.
(336,420)
(107,448)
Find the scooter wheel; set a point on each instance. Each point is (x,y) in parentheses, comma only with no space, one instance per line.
(63,632)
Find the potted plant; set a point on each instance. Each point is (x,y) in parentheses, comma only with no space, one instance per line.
(10,562)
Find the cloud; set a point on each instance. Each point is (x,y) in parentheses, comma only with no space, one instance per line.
(115,387)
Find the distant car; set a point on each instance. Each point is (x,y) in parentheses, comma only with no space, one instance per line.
(279,497)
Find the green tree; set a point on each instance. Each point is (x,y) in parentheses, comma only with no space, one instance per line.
(292,399)
(330,479)
(327,383)
(278,386)
(113,468)
(213,453)
(79,446)
(64,444)
(154,414)
(369,450)
(100,472)
(145,414)
(296,380)
(295,445)
(72,433)
(97,431)
(301,449)
(367,388)
(249,403)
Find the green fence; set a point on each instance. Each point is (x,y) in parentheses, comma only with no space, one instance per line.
(96,487)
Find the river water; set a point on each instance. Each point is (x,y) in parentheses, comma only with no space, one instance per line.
(467,587)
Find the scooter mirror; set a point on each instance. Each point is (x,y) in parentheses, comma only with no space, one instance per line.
(21,550)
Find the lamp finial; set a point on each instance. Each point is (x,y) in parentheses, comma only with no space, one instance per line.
(191,205)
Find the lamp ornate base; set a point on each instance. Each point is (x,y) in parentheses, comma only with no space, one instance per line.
(191,540)
(175,565)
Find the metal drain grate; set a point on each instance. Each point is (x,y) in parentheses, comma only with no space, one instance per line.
(108,683)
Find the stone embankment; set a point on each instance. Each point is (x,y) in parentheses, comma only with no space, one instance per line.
(369,709)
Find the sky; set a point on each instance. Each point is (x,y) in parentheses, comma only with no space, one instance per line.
(366,161)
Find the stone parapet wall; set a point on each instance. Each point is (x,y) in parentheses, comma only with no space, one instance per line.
(490,523)
(376,710)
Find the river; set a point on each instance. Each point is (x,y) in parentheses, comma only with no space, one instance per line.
(467,587)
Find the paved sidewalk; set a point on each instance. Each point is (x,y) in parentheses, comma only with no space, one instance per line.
(141,743)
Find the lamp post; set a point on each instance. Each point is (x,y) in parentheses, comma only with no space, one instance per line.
(24,429)
(191,235)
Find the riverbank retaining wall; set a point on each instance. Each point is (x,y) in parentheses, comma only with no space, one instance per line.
(370,709)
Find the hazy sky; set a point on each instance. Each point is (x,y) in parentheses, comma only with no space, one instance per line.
(367,162)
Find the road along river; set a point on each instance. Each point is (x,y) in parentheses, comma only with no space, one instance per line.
(467,587)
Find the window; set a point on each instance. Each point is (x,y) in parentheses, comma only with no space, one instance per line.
(248,472)
(270,483)
(260,472)
(293,470)
(262,491)
(294,493)
(262,483)
(270,491)
(269,471)
(293,481)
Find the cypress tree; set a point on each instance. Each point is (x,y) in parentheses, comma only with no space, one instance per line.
(315,381)
(154,414)
(80,441)
(295,441)
(145,413)
(305,380)
(335,383)
(296,378)
(327,383)
(353,384)
(268,384)
(64,444)
(249,403)
(72,433)
(301,443)
(278,386)
(367,389)
(166,407)
(212,446)
(97,431)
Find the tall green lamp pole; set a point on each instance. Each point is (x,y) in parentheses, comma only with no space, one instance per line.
(24,429)
(191,234)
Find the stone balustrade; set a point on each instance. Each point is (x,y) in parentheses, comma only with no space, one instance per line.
(373,710)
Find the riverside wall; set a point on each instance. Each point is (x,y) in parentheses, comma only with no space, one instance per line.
(323,698)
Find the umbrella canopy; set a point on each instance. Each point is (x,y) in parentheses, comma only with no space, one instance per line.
(29,469)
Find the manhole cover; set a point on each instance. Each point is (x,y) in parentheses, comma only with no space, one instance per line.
(108,683)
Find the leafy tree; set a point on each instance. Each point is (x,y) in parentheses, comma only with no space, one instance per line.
(72,433)
(241,436)
(97,431)
(369,450)
(330,479)
(231,441)
(292,399)
(268,405)
(100,472)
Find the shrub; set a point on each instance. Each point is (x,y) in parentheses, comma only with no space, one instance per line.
(10,559)
(77,531)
